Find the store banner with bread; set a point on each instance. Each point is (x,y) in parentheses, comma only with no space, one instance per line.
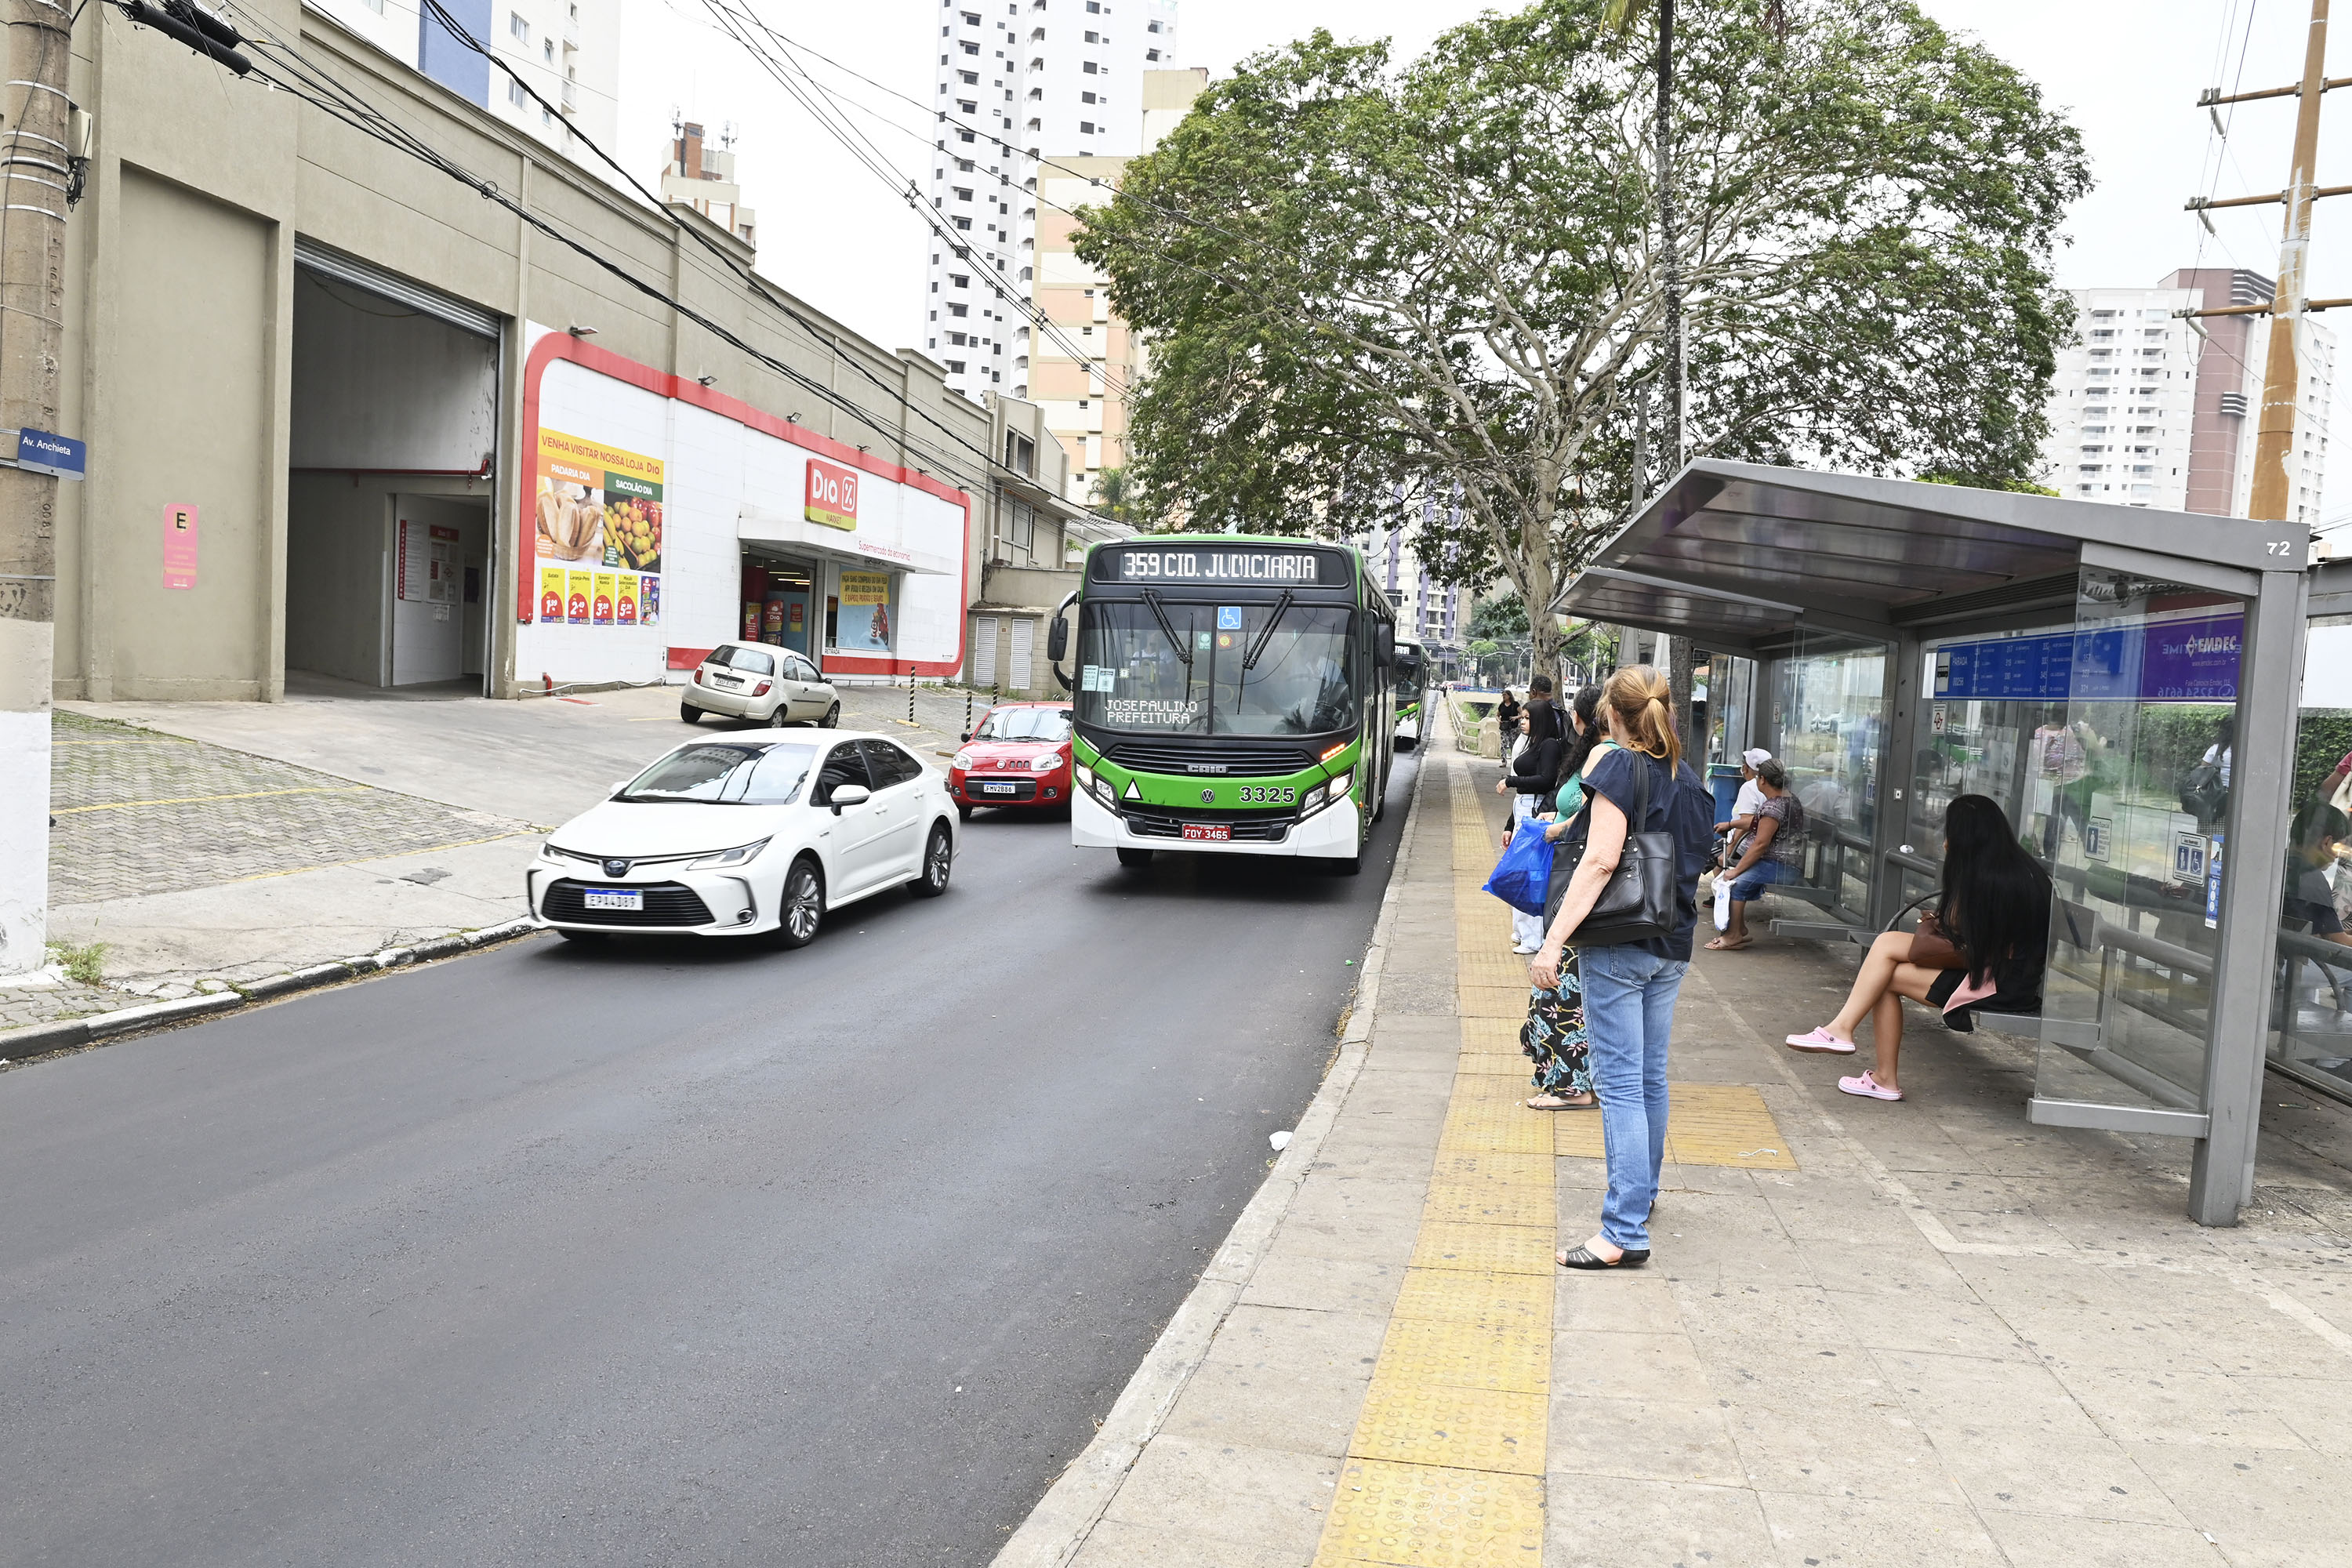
(600,508)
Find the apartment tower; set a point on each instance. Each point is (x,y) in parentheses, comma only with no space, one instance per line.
(1020,82)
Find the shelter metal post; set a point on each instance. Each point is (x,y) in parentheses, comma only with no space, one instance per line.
(1898,743)
(2254,848)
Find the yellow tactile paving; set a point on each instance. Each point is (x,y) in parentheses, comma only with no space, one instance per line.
(1724,1124)
(1477,1243)
(1469,1355)
(1463,1429)
(1445,1466)
(1433,1517)
(1474,1296)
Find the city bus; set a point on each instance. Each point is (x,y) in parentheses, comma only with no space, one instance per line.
(1411,674)
(1232,695)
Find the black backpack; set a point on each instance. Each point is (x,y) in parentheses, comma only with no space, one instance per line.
(2202,793)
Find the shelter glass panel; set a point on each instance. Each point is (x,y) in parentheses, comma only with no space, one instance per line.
(2121,796)
(1992,704)
(2311,1008)
(1829,726)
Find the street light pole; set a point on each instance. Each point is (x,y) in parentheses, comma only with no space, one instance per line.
(33,180)
(2271,497)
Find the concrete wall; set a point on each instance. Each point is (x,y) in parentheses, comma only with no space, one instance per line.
(336,536)
(180,318)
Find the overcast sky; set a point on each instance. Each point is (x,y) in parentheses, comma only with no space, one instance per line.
(2128,72)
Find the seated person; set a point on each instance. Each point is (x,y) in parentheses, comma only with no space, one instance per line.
(2314,843)
(1990,933)
(1774,852)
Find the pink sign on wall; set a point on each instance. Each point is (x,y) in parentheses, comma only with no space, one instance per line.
(179,547)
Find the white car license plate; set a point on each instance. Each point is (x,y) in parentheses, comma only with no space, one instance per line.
(1199,833)
(613,898)
(996,789)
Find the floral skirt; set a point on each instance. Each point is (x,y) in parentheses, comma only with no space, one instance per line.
(1554,1033)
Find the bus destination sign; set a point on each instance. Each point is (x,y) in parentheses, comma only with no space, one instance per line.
(1222,564)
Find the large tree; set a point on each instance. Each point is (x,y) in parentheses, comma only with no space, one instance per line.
(1368,285)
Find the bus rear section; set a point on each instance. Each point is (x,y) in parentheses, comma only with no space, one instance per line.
(1410,696)
(1232,697)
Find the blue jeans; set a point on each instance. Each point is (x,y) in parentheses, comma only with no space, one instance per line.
(1629,1016)
(1760,876)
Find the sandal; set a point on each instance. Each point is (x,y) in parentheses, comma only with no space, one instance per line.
(1819,1038)
(1868,1088)
(1563,1102)
(1584,1257)
(1724,944)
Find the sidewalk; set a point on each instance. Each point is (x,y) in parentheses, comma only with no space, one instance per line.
(1871,1334)
(207,845)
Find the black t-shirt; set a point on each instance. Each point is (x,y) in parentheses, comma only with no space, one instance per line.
(2309,899)
(1679,804)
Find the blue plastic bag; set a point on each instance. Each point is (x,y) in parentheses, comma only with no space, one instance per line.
(1522,878)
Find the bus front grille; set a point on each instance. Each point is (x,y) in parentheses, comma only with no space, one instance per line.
(1244,761)
(1146,824)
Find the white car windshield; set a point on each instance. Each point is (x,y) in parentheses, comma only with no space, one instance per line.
(1051,725)
(745,773)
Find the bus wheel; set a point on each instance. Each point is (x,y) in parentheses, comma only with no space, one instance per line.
(1129,855)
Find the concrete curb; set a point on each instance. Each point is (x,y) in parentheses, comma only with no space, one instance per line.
(1059,1526)
(38,1040)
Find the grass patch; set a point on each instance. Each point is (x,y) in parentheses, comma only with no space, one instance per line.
(85,964)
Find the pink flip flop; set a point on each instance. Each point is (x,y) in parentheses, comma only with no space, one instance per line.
(1868,1088)
(1821,1039)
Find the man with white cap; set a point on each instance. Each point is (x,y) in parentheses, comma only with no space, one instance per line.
(1744,804)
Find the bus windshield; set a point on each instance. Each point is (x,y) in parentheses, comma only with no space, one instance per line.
(1132,676)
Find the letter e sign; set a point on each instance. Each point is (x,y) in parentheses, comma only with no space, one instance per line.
(179,547)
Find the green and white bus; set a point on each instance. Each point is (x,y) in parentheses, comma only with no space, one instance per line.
(1412,678)
(1232,695)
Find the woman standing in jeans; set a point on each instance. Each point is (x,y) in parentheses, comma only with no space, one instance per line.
(1630,987)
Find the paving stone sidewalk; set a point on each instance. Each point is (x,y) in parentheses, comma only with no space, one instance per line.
(1919,1334)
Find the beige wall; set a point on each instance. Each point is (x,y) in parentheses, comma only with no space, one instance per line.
(180,332)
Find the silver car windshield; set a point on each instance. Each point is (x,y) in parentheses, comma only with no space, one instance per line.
(747,773)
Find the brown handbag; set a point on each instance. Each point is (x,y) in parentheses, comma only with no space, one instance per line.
(1931,949)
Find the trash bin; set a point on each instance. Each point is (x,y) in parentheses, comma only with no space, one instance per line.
(1724,779)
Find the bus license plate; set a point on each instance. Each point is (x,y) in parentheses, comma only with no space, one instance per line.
(1200,834)
(613,899)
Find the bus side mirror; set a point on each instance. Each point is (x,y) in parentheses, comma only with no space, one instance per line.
(1057,639)
(1384,647)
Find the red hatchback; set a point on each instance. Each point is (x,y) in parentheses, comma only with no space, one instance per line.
(1018,755)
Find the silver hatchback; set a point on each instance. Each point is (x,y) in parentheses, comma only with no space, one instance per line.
(764,684)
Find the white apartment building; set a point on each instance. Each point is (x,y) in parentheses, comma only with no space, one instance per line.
(2123,400)
(1020,80)
(568,51)
(702,176)
(2147,411)
(1429,613)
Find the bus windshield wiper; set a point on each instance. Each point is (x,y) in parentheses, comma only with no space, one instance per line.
(1249,659)
(1151,598)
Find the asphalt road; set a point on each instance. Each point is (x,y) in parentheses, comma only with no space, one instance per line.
(656,1254)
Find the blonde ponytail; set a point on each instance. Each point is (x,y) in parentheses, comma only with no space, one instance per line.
(1645,707)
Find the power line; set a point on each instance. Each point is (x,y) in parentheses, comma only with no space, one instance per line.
(333,96)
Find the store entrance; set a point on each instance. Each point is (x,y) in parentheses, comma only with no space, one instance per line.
(780,603)
(389,536)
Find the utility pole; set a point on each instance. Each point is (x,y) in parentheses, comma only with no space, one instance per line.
(2272,494)
(1670,261)
(34,163)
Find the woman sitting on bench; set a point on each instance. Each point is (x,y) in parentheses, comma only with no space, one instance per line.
(1996,899)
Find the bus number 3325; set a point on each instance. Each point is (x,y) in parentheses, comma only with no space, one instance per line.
(1268,795)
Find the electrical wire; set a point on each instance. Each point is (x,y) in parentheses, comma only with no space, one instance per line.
(323,90)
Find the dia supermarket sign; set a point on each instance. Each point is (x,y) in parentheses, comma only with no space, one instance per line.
(832,495)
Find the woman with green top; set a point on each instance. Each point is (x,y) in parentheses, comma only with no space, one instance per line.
(1554,1033)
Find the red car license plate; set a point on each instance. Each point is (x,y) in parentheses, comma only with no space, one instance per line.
(1198,833)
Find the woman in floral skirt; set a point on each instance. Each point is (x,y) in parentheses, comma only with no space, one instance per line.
(1554,1033)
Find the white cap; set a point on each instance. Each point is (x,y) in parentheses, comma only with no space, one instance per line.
(1755,756)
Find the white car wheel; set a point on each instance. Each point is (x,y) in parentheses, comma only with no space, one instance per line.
(938,862)
(803,909)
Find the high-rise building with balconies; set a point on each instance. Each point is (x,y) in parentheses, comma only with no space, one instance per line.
(1020,82)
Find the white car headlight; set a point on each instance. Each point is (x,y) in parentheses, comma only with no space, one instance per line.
(1045,761)
(739,856)
(961,759)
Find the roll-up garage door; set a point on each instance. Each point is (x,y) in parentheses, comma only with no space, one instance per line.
(366,275)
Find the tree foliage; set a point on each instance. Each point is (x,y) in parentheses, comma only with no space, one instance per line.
(1431,291)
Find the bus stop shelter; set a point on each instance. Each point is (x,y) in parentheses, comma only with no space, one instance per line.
(1899,643)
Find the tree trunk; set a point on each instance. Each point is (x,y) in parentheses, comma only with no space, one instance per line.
(1678,686)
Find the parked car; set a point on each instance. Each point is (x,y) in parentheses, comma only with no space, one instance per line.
(1017,756)
(749,834)
(765,684)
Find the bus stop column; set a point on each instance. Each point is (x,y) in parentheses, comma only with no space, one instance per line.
(2221,1175)
(1898,744)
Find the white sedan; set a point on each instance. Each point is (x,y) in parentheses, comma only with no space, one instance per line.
(749,834)
(765,684)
